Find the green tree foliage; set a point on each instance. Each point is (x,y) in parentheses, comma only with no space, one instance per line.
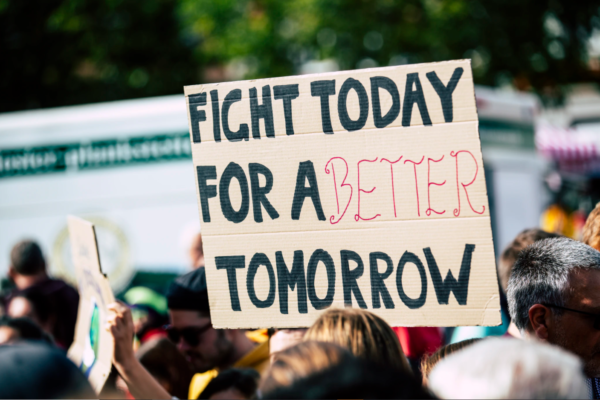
(58,52)
(61,52)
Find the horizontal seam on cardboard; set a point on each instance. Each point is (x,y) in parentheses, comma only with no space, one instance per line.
(348,229)
(342,131)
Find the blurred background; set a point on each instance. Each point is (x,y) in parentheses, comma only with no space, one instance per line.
(93,119)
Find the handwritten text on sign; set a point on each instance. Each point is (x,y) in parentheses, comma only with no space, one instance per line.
(362,188)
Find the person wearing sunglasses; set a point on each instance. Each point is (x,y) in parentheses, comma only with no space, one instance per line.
(208,350)
(554,296)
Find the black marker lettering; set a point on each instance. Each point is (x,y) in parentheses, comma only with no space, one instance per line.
(324,89)
(414,96)
(320,255)
(443,288)
(233,170)
(287,93)
(264,111)
(411,258)
(206,172)
(363,104)
(231,263)
(377,285)
(386,83)
(445,92)
(242,133)
(306,170)
(259,194)
(349,278)
(214,98)
(258,260)
(196,116)
(292,279)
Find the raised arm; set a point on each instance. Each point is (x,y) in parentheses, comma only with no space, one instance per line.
(141,384)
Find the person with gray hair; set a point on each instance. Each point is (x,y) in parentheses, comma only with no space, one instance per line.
(554,296)
(502,368)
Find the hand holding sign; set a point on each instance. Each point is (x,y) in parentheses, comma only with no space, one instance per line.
(362,188)
(120,325)
(140,383)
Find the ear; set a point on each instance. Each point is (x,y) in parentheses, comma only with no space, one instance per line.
(540,321)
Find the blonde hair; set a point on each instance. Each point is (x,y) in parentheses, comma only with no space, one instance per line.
(591,229)
(430,361)
(364,334)
(300,361)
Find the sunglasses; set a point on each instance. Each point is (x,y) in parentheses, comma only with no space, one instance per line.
(191,335)
(596,316)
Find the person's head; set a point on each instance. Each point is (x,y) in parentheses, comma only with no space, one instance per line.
(36,371)
(167,365)
(148,309)
(428,362)
(591,229)
(26,259)
(281,339)
(17,329)
(197,252)
(34,306)
(363,333)
(511,252)
(191,328)
(501,368)
(299,361)
(235,383)
(549,276)
(353,378)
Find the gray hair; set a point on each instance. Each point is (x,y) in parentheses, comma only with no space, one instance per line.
(541,275)
(501,368)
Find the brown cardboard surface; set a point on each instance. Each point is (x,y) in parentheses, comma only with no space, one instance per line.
(436,200)
(95,294)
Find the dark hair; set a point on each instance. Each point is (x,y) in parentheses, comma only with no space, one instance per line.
(541,275)
(43,306)
(163,360)
(26,329)
(511,252)
(26,258)
(428,362)
(36,371)
(244,381)
(354,379)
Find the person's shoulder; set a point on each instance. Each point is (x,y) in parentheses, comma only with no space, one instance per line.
(200,381)
(257,358)
(56,287)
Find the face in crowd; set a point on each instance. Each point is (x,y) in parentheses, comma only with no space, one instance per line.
(205,348)
(574,330)
(554,296)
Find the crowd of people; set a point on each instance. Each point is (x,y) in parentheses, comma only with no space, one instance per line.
(165,347)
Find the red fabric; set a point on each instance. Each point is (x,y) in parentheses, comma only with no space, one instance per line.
(156,333)
(418,341)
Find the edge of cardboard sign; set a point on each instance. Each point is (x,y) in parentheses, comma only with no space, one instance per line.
(195,89)
(488,312)
(101,370)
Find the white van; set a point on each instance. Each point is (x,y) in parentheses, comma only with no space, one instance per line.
(124,165)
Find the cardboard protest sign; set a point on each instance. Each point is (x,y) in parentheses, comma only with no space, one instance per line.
(362,188)
(93,346)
